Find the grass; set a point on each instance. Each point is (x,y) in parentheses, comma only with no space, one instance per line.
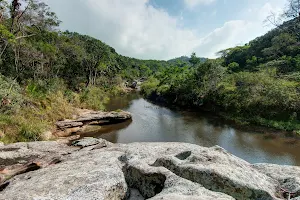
(290,126)
(94,98)
(35,117)
(280,125)
(43,105)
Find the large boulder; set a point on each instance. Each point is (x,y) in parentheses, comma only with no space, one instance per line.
(96,169)
(88,118)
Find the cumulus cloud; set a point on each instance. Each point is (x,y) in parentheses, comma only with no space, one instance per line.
(137,29)
(237,32)
(193,3)
(230,34)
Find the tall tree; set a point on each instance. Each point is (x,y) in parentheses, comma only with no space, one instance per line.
(27,19)
(194,59)
(293,10)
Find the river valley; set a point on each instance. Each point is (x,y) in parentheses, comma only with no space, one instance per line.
(153,123)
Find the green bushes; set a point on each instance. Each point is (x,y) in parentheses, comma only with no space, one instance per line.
(10,91)
(261,97)
(185,86)
(94,98)
(150,86)
(37,106)
(259,94)
(35,116)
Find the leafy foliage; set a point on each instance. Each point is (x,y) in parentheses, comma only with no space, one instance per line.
(10,92)
(45,73)
(255,83)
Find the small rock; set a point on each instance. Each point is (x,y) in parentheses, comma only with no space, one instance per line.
(133,84)
(47,135)
(135,195)
(88,141)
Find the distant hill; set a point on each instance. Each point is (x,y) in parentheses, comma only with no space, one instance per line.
(183,60)
(279,48)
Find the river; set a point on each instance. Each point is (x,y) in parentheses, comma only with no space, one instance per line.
(153,123)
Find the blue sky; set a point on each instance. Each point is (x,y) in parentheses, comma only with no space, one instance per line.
(164,29)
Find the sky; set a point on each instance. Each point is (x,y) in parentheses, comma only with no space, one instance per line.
(165,29)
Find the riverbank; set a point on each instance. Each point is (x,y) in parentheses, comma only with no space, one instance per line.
(30,111)
(270,127)
(145,170)
(262,96)
(153,123)
(89,120)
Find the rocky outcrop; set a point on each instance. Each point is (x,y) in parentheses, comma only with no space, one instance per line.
(136,84)
(87,118)
(288,177)
(96,169)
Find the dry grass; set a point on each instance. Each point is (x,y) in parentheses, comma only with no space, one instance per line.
(34,118)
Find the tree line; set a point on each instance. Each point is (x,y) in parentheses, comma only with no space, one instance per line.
(257,83)
(45,72)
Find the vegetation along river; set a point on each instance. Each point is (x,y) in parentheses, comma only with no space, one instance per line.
(153,123)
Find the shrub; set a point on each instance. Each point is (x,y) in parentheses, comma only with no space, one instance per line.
(150,86)
(94,98)
(259,94)
(11,91)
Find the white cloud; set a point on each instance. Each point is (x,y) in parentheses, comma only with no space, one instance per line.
(237,32)
(231,34)
(193,3)
(137,29)
(133,27)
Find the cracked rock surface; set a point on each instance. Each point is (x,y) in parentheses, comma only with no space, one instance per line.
(97,169)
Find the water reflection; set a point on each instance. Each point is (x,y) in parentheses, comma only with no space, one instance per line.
(152,123)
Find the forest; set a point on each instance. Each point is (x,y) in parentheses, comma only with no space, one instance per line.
(258,83)
(45,73)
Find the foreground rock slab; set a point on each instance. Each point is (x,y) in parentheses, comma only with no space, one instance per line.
(96,169)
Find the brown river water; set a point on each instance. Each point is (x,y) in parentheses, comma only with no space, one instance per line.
(153,123)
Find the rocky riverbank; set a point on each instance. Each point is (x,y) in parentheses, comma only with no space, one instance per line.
(85,119)
(96,169)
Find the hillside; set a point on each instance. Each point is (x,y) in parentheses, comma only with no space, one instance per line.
(183,60)
(46,73)
(257,83)
(278,48)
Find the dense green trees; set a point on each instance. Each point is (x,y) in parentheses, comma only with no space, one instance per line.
(256,83)
(194,60)
(185,86)
(44,73)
